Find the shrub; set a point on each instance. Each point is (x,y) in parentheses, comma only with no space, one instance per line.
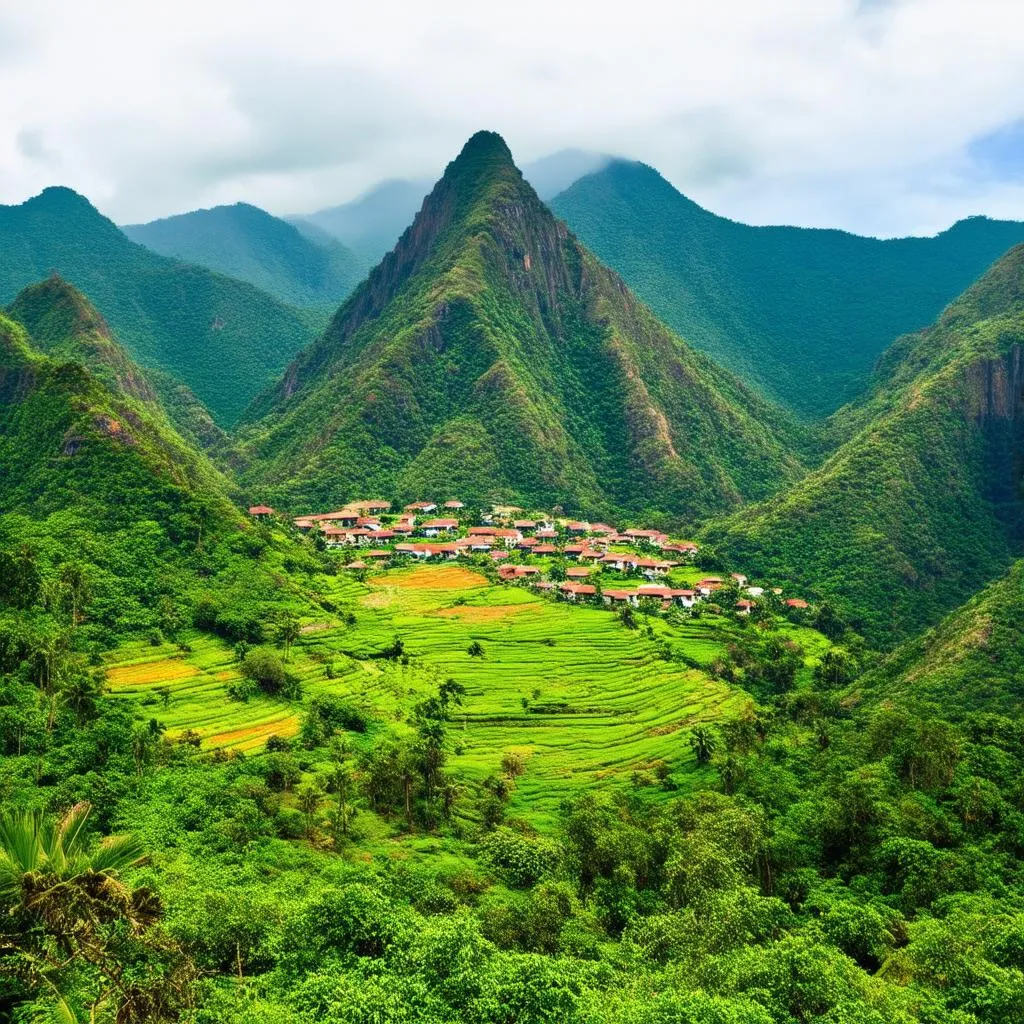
(265,669)
(521,859)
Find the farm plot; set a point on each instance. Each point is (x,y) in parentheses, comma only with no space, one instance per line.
(582,698)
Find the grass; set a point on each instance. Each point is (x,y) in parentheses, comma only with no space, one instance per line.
(581,697)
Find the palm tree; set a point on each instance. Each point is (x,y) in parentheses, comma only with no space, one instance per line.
(58,892)
(703,743)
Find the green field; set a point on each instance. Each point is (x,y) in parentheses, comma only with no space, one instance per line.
(605,701)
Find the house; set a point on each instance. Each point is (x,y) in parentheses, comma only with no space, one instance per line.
(652,537)
(687,598)
(377,554)
(577,574)
(743,606)
(578,527)
(602,528)
(650,567)
(755,591)
(497,556)
(654,590)
(796,602)
(432,527)
(343,517)
(260,511)
(619,597)
(510,538)
(421,506)
(305,525)
(483,531)
(403,528)
(335,536)
(527,570)
(454,505)
(357,565)
(525,524)
(480,543)
(374,505)
(572,550)
(710,584)
(547,533)
(545,549)
(542,585)
(739,578)
(577,591)
(526,543)
(380,536)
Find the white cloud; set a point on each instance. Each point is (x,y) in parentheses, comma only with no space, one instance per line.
(853,113)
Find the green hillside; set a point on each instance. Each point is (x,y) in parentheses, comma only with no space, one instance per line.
(247,243)
(96,478)
(224,339)
(492,356)
(922,505)
(801,314)
(972,661)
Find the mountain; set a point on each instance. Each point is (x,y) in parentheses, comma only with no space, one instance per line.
(923,504)
(801,314)
(489,354)
(972,661)
(224,339)
(247,243)
(65,326)
(371,224)
(95,476)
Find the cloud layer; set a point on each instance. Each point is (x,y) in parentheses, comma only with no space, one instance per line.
(881,116)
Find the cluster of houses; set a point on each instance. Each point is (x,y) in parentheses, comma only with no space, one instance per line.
(425,531)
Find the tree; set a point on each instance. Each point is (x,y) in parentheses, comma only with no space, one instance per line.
(475,649)
(512,765)
(341,782)
(309,796)
(65,914)
(74,579)
(703,743)
(264,668)
(288,632)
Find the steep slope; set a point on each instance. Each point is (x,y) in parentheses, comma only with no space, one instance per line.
(371,224)
(973,660)
(94,475)
(801,314)
(64,325)
(490,354)
(245,242)
(923,504)
(223,338)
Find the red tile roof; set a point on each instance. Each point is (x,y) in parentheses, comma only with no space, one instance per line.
(440,524)
(260,510)
(796,602)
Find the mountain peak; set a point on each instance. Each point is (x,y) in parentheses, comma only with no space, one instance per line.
(60,197)
(485,145)
(54,308)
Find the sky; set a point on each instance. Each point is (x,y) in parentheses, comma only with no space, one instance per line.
(884,117)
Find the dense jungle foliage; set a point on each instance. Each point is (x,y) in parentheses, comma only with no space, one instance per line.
(801,314)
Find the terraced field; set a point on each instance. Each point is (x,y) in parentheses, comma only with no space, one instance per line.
(580,696)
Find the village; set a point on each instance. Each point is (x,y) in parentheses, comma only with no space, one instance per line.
(534,551)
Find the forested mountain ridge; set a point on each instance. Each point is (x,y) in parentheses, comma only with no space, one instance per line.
(223,338)
(95,476)
(923,504)
(800,313)
(250,244)
(490,354)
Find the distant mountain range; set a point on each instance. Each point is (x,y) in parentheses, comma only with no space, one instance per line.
(244,241)
(923,503)
(223,338)
(372,224)
(802,314)
(491,355)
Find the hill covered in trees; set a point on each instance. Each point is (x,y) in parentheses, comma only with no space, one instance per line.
(801,314)
(492,356)
(922,504)
(224,339)
(250,244)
